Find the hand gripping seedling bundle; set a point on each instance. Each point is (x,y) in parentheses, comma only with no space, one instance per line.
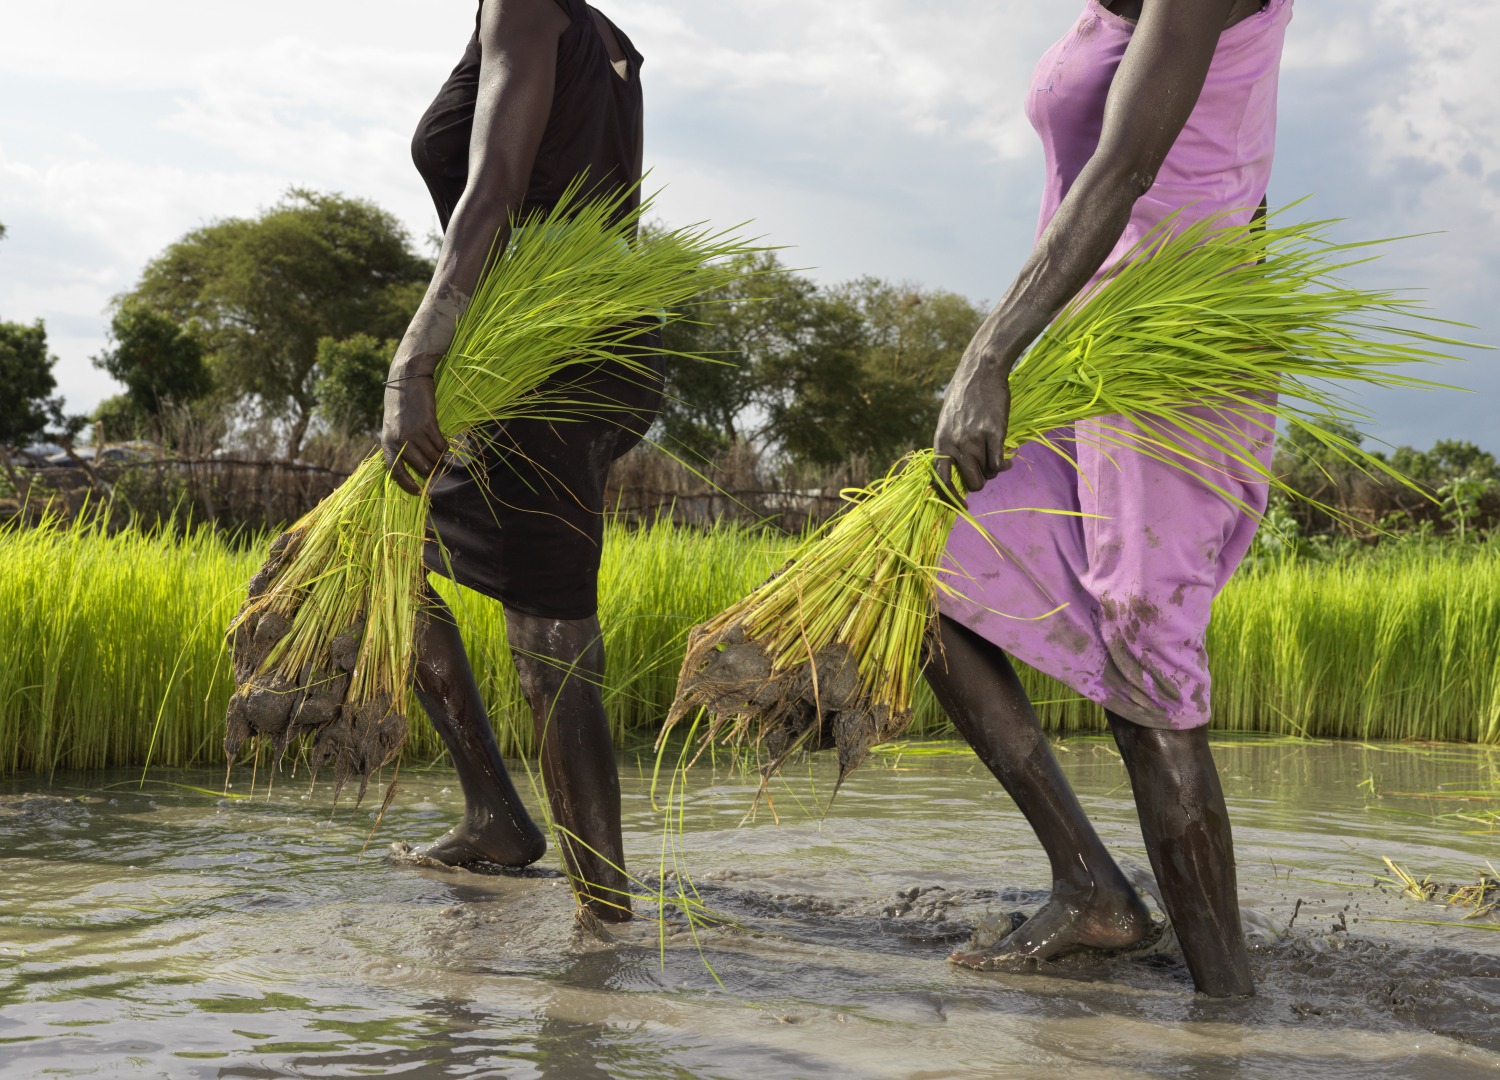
(828,651)
(323,646)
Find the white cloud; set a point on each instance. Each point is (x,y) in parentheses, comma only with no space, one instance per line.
(959,68)
(881,136)
(1442,107)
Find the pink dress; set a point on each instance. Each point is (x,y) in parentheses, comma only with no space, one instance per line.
(1134,568)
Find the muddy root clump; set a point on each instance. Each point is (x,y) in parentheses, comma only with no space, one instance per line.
(361,740)
(251,642)
(262,707)
(283,550)
(356,738)
(819,705)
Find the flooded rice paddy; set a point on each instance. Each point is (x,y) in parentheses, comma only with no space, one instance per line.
(170,932)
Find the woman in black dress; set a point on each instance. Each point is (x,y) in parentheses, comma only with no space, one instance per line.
(547,91)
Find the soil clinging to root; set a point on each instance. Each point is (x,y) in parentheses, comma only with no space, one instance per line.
(356,738)
(818,705)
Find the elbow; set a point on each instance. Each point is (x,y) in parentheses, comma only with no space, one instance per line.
(1129,180)
(482,205)
(1137,181)
(1125,176)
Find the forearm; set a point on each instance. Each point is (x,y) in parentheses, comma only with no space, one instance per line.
(479,230)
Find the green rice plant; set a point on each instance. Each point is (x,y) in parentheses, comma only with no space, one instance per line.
(324,645)
(111,651)
(1403,643)
(831,634)
(1250,320)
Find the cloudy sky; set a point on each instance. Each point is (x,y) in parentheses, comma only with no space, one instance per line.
(872,136)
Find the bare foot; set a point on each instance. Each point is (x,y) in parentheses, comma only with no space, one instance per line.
(478,842)
(1099,921)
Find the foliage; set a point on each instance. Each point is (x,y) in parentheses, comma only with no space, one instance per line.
(120,419)
(351,382)
(870,379)
(1448,458)
(1454,487)
(159,361)
(815,374)
(262,292)
(27,406)
(743,326)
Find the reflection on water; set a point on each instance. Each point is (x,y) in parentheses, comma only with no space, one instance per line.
(170,932)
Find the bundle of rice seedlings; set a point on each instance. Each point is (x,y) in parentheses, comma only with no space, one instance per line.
(323,646)
(1248,318)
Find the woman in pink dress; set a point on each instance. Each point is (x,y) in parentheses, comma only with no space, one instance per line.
(1145,108)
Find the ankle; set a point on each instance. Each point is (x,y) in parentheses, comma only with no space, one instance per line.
(1103,893)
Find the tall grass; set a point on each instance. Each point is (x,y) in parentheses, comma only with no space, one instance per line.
(111,648)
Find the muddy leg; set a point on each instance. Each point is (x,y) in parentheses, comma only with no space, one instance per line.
(495,826)
(1186,828)
(1092,904)
(561,664)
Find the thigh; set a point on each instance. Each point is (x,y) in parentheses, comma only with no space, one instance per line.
(1163,534)
(520,511)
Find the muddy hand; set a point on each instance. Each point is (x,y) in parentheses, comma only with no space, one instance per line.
(971,428)
(410,438)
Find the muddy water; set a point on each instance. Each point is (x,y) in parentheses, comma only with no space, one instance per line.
(164,932)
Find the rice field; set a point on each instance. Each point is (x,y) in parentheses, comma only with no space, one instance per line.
(111,646)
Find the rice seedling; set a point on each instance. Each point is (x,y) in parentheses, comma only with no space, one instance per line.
(324,645)
(1482,898)
(829,650)
(1425,889)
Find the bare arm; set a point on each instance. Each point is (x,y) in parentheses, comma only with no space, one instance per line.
(518,41)
(1150,99)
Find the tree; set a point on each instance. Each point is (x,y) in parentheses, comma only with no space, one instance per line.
(27,407)
(351,382)
(816,374)
(1447,460)
(872,384)
(741,328)
(159,361)
(261,293)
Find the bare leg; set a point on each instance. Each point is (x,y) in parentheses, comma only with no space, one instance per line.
(561,664)
(495,826)
(1186,828)
(1092,904)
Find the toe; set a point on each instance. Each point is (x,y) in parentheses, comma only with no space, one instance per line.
(977,959)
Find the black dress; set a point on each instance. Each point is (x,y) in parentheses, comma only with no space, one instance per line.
(519,507)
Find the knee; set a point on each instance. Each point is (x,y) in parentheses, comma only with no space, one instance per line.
(1174,766)
(550,653)
(1153,745)
(540,676)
